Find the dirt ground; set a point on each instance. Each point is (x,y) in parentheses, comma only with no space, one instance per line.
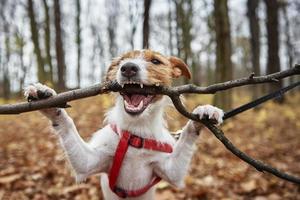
(32,164)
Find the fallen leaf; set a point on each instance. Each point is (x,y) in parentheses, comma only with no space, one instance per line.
(10,178)
(249,186)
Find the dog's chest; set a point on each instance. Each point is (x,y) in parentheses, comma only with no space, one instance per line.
(137,168)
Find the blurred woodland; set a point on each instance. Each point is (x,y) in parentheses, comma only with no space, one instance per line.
(69,44)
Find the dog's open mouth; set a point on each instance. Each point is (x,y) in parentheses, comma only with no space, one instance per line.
(136,103)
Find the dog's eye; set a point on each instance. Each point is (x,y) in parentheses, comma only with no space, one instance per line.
(155,61)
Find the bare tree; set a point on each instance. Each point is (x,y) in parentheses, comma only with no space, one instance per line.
(60,55)
(146,30)
(78,41)
(184,21)
(295,33)
(98,53)
(7,12)
(112,7)
(6,81)
(170,27)
(273,62)
(288,40)
(20,43)
(223,52)
(209,47)
(47,40)
(252,7)
(35,39)
(133,20)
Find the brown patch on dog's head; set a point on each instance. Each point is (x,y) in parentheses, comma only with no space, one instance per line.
(165,69)
(160,69)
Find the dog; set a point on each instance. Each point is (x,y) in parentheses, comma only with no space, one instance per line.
(134,150)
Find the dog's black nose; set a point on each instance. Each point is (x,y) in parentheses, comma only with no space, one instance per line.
(129,70)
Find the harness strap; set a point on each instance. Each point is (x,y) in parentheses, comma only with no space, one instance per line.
(139,142)
(118,159)
(135,141)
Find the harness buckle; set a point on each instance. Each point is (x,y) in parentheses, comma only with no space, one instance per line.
(120,192)
(136,141)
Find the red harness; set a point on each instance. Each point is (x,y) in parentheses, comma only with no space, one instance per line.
(137,142)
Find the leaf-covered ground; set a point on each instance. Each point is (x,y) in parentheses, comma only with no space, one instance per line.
(32,164)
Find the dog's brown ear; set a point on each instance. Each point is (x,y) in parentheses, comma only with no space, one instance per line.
(179,68)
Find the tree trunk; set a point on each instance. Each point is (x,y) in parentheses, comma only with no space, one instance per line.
(23,69)
(47,40)
(98,54)
(78,41)
(112,8)
(4,59)
(288,43)
(35,39)
(252,6)
(184,18)
(6,81)
(181,27)
(133,19)
(147,5)
(20,43)
(223,53)
(60,56)
(178,28)
(273,62)
(170,28)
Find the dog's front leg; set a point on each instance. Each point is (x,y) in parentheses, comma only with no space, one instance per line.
(174,167)
(84,159)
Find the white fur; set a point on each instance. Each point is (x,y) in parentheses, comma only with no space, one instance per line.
(140,61)
(139,165)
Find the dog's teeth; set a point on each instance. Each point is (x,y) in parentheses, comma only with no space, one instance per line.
(141,85)
(156,84)
(140,105)
(122,85)
(126,104)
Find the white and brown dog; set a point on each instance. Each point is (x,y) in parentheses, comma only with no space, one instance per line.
(135,149)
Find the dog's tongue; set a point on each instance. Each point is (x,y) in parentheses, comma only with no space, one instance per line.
(135,99)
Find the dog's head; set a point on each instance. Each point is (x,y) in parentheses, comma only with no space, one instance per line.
(141,68)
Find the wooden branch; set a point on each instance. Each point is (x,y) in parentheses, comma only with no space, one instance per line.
(251,80)
(258,165)
(174,94)
(62,98)
(55,101)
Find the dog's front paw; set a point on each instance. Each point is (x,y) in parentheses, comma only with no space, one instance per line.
(210,112)
(38,91)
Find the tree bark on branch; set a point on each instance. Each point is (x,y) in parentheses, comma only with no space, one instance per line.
(62,98)
(174,93)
